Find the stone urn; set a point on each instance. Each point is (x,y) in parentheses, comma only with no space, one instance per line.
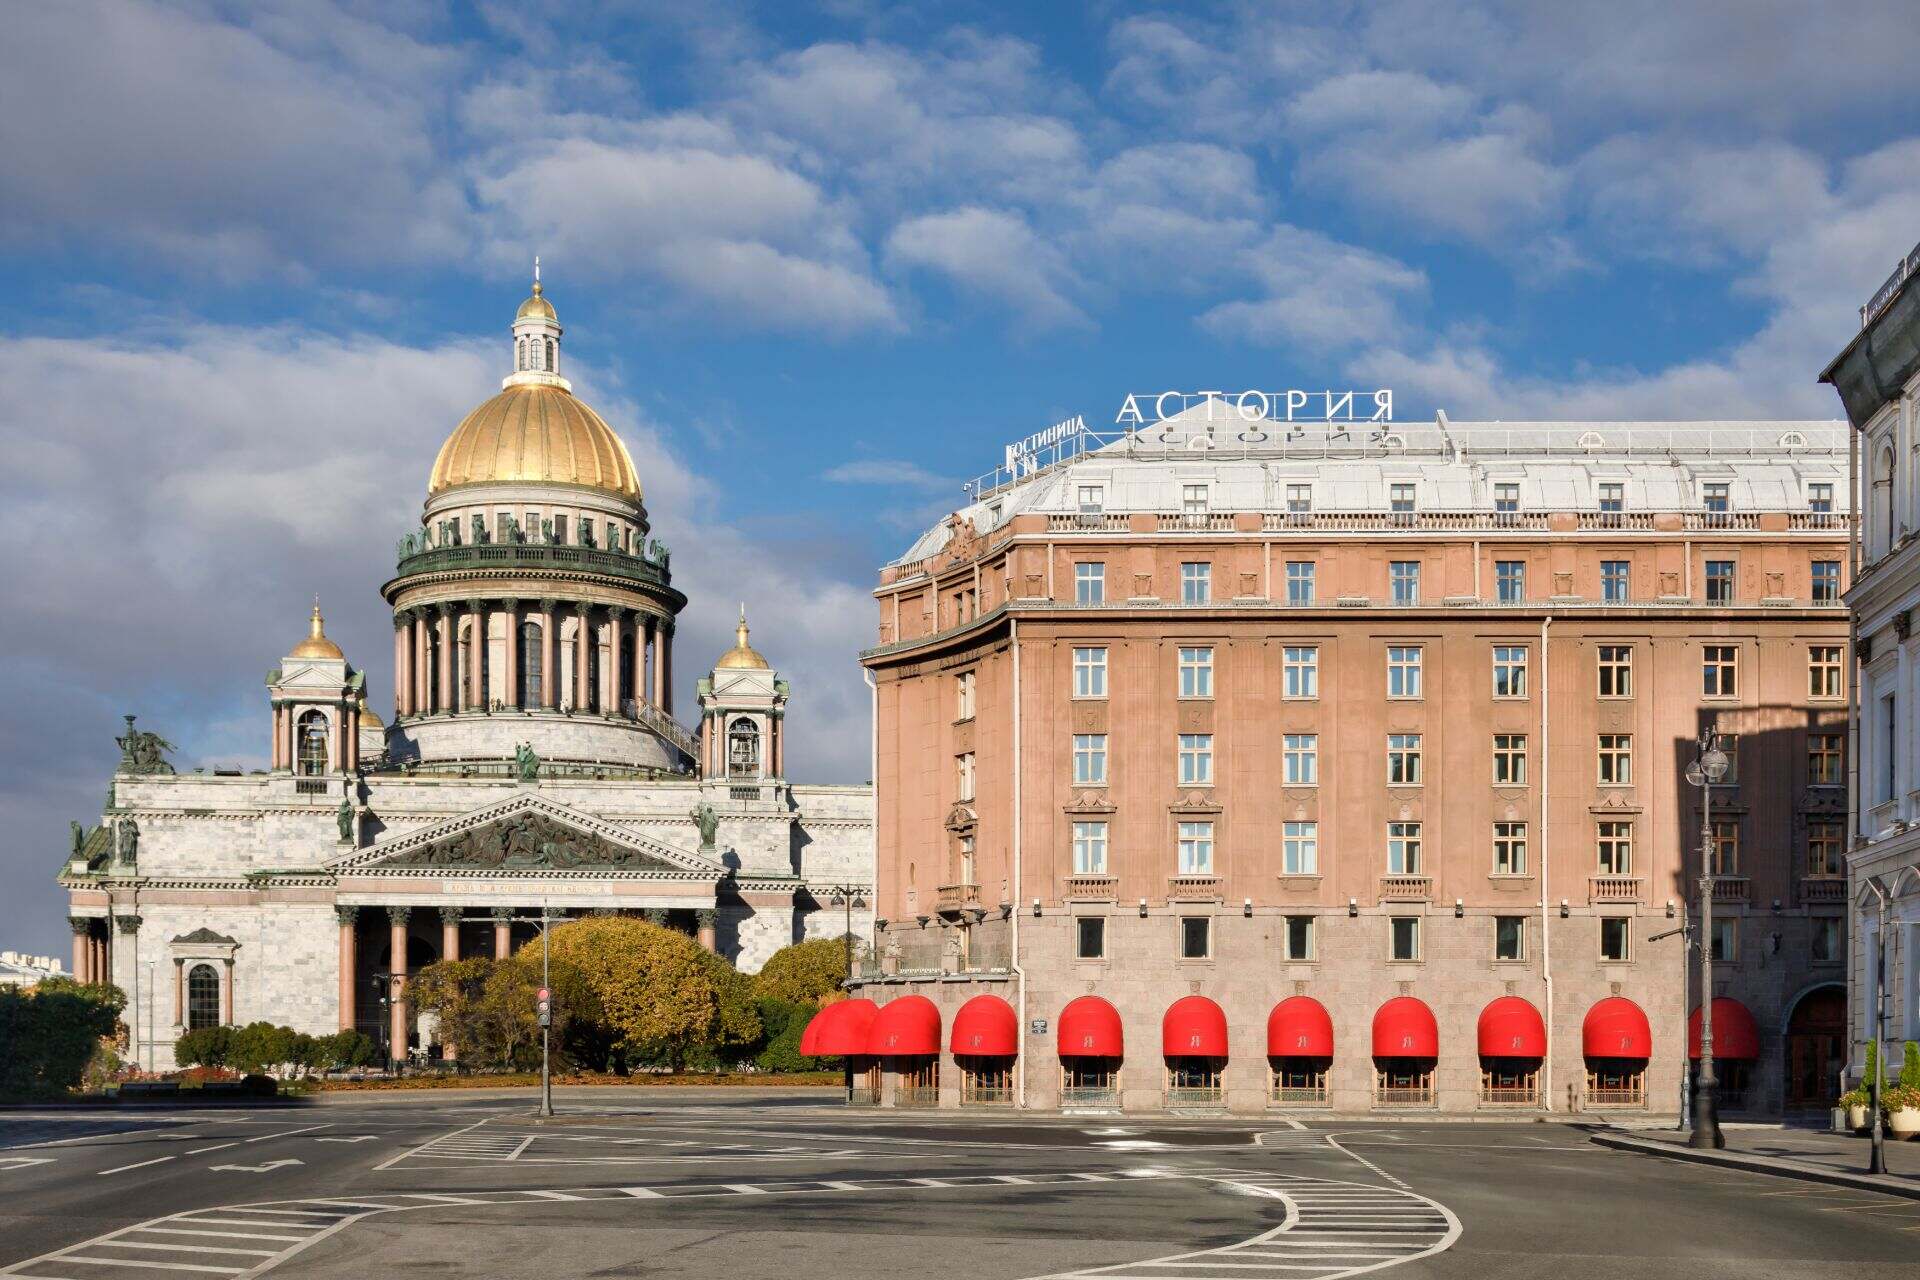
(1904,1123)
(1857,1118)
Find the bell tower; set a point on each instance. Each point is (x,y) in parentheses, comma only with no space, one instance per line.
(317,698)
(743,708)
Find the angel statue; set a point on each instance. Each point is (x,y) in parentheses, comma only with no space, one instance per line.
(143,752)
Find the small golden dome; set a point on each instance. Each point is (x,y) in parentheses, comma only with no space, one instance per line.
(367,717)
(536,306)
(316,645)
(743,656)
(534,432)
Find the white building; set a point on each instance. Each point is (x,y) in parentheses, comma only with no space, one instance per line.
(18,969)
(533,760)
(1878,378)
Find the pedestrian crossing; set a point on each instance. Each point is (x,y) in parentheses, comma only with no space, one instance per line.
(491,1147)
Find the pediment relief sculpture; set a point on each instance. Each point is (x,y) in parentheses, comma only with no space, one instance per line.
(526,841)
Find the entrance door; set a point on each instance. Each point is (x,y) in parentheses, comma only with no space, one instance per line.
(1816,1048)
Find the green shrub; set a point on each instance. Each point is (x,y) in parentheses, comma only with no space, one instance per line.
(804,972)
(780,1047)
(204,1047)
(1910,1067)
(51,1032)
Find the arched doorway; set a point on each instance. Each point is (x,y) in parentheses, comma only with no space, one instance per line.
(1816,1047)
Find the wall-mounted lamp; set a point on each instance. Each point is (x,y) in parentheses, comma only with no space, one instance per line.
(1353,906)
(1036,908)
(1246,908)
(1459,907)
(1564,913)
(1143,908)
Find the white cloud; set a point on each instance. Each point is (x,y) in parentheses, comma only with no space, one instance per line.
(885,471)
(1317,292)
(991,253)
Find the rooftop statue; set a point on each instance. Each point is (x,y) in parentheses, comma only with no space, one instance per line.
(709,823)
(526,763)
(143,752)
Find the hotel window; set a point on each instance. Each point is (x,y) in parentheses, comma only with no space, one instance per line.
(1615,848)
(1092,498)
(1196,583)
(1510,581)
(1089,848)
(1826,581)
(1299,582)
(1196,937)
(1719,670)
(1509,937)
(1726,941)
(1824,847)
(1616,939)
(1614,665)
(1403,671)
(963,769)
(1726,847)
(1823,671)
(1299,938)
(1400,499)
(1613,497)
(1719,582)
(1196,759)
(1403,577)
(1826,940)
(1509,671)
(963,696)
(1196,672)
(1714,497)
(1300,848)
(1820,498)
(1510,759)
(1403,759)
(1613,581)
(1403,848)
(1300,665)
(1825,752)
(1196,848)
(1616,760)
(1090,938)
(1299,499)
(1089,759)
(1193,499)
(1300,757)
(1404,932)
(1509,848)
(1089,584)
(1090,673)
(1506,496)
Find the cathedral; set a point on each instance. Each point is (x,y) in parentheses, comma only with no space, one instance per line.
(533,766)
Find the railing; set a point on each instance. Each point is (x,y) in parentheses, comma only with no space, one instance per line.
(1194,521)
(1405,888)
(910,1093)
(1884,294)
(1090,887)
(865,1093)
(1194,1096)
(1089,1090)
(1730,888)
(1498,1091)
(309,786)
(1616,1091)
(956,897)
(1190,885)
(664,725)
(533,555)
(1282,1094)
(1823,889)
(1088,522)
(1610,888)
(736,791)
(1638,521)
(986,1088)
(1800,520)
(1419,1093)
(1720,519)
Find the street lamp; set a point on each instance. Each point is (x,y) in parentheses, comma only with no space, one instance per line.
(1877,1027)
(1685,932)
(848,896)
(1707,769)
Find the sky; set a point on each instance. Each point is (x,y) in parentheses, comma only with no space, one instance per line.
(817,263)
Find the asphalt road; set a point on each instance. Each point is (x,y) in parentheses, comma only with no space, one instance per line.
(658,1183)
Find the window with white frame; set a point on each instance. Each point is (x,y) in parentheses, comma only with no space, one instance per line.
(1616,939)
(1726,940)
(1719,582)
(1196,848)
(1300,848)
(1196,671)
(1825,581)
(1615,752)
(1715,496)
(1193,499)
(1613,664)
(1506,496)
(1300,581)
(1089,848)
(1089,759)
(1509,671)
(1090,938)
(1196,759)
(1509,848)
(1403,671)
(1299,938)
(963,769)
(1510,759)
(1403,848)
(1299,498)
(1403,580)
(1400,498)
(1089,583)
(1196,582)
(1300,669)
(1091,499)
(1615,581)
(1614,847)
(1613,496)
(1403,759)
(1509,937)
(1510,581)
(1719,670)
(1823,671)
(1820,497)
(1404,938)
(1090,673)
(1300,759)
(963,696)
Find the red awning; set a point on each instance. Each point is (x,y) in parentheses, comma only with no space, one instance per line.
(839,1030)
(1616,1028)
(1510,1027)
(1193,1027)
(1735,1035)
(987,1026)
(1299,1027)
(1403,1027)
(905,1027)
(1090,1028)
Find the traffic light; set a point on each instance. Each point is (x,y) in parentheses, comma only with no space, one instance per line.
(543,1005)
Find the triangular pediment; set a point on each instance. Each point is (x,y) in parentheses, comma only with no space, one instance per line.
(527,832)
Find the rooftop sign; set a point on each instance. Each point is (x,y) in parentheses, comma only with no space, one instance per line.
(1023,455)
(1292,405)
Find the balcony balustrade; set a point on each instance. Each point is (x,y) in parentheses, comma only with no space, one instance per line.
(1608,888)
(1406,888)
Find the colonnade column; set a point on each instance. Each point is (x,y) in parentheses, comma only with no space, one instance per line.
(279,734)
(473,689)
(510,652)
(179,991)
(657,630)
(446,657)
(226,996)
(82,947)
(402,666)
(706,918)
(502,932)
(666,667)
(615,693)
(398,1022)
(549,624)
(449,950)
(349,965)
(422,699)
(582,655)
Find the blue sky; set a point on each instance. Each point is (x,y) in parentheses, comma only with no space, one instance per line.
(816,263)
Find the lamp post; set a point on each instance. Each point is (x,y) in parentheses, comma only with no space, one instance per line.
(1685,932)
(847,896)
(1708,768)
(1877,1029)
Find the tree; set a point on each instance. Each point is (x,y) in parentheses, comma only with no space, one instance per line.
(454,991)
(204,1047)
(784,1023)
(1910,1066)
(804,973)
(51,1032)
(662,996)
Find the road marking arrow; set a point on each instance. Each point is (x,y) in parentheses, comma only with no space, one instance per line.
(21,1162)
(364,1137)
(255,1168)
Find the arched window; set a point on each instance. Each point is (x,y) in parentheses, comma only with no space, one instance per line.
(1882,527)
(313,744)
(203,997)
(551,366)
(531,652)
(743,749)
(520,354)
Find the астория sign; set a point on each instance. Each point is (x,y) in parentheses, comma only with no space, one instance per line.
(1292,405)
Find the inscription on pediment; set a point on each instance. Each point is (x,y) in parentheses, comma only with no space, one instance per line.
(525,840)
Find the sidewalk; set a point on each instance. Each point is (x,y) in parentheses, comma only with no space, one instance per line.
(1786,1152)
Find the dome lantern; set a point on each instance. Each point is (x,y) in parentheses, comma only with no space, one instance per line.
(316,645)
(536,341)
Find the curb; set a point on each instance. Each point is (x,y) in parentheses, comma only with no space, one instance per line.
(1761,1164)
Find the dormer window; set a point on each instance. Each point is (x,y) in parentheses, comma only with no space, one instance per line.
(1714,496)
(1613,496)
(1193,499)
(1092,499)
(1299,499)
(1506,496)
(1820,497)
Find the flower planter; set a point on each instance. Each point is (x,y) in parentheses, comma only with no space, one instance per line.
(1856,1118)
(1905,1122)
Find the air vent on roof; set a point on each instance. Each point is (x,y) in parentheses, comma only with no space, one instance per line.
(1393,440)
(1591,440)
(1793,440)
(1200,444)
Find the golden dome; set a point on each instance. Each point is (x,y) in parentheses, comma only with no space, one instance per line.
(743,656)
(367,717)
(316,645)
(536,306)
(535,432)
